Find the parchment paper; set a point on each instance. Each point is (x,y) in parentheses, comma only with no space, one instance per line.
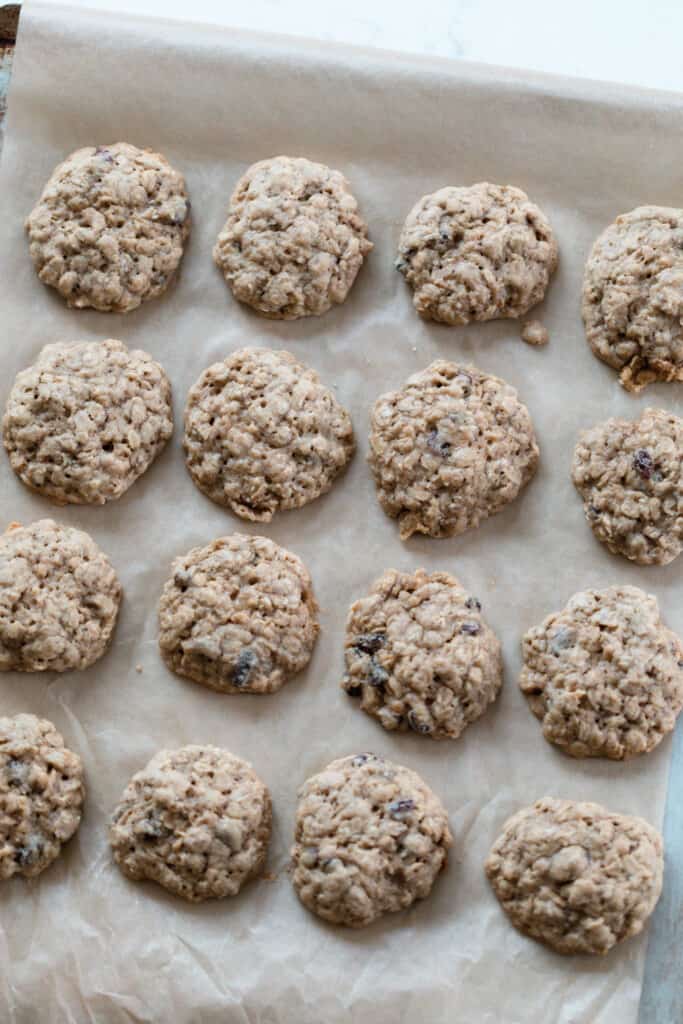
(82,943)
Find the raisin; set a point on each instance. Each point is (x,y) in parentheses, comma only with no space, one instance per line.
(438,444)
(152,829)
(643,463)
(242,668)
(397,808)
(353,689)
(473,602)
(29,854)
(182,579)
(360,759)
(470,628)
(369,643)
(378,677)
(17,772)
(418,724)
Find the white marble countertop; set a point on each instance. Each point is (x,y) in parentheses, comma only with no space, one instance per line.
(619,40)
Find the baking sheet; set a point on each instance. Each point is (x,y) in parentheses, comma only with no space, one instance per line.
(82,943)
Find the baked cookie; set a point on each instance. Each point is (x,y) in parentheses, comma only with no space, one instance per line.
(449,449)
(86,420)
(420,656)
(294,239)
(238,615)
(604,675)
(630,476)
(41,795)
(476,253)
(633,296)
(576,876)
(371,838)
(109,228)
(263,434)
(196,820)
(59,598)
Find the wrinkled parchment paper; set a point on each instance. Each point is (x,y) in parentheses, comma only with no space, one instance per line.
(83,944)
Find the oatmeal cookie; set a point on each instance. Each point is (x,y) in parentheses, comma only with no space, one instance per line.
(196,820)
(449,449)
(371,838)
(576,876)
(41,795)
(59,598)
(294,239)
(476,253)
(263,434)
(238,615)
(630,476)
(109,229)
(420,656)
(86,420)
(633,296)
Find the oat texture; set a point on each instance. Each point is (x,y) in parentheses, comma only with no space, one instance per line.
(604,675)
(86,420)
(41,795)
(263,434)
(294,239)
(420,656)
(633,296)
(476,253)
(196,820)
(59,598)
(576,876)
(238,615)
(630,476)
(371,838)
(449,449)
(109,228)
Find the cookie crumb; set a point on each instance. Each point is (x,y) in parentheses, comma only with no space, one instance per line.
(138,668)
(534,333)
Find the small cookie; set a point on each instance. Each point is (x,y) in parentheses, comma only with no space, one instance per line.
(109,229)
(633,296)
(41,795)
(449,449)
(576,876)
(630,476)
(476,253)
(196,820)
(59,598)
(604,675)
(238,615)
(420,656)
(371,838)
(294,239)
(263,434)
(86,420)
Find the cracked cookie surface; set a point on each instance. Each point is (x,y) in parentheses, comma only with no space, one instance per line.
(476,253)
(263,434)
(629,474)
(41,795)
(604,675)
(371,838)
(196,820)
(238,615)
(86,420)
(420,656)
(576,876)
(450,448)
(108,231)
(633,296)
(59,599)
(294,239)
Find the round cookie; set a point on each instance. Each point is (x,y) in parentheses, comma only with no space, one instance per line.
(420,656)
(196,820)
(371,838)
(41,795)
(576,876)
(294,239)
(630,476)
(263,434)
(86,420)
(476,253)
(449,449)
(59,598)
(604,675)
(238,615)
(109,228)
(633,296)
